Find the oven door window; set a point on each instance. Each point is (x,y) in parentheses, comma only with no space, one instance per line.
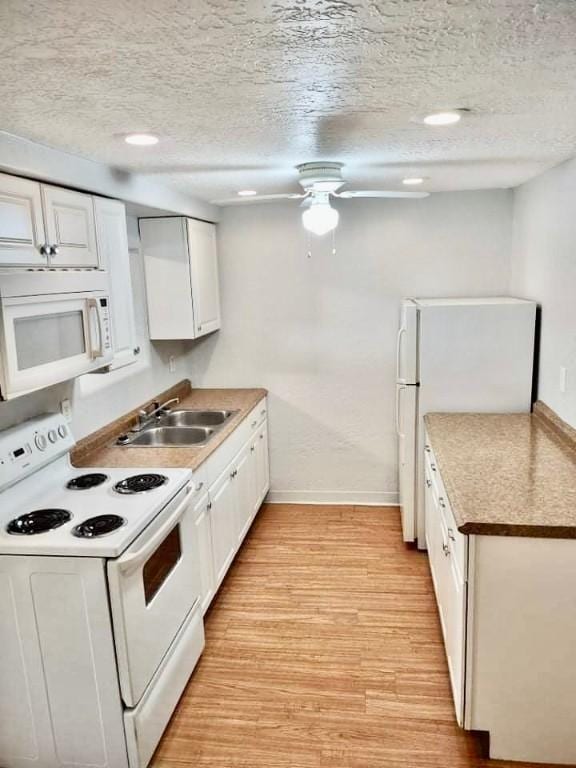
(42,339)
(161,564)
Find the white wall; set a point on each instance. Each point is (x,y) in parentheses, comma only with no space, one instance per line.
(320,332)
(99,398)
(544,268)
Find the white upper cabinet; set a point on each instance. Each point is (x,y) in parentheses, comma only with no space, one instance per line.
(181,277)
(70,227)
(112,238)
(22,238)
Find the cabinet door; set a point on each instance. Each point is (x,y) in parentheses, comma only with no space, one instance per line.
(223,519)
(112,238)
(204,276)
(262,464)
(22,239)
(245,479)
(70,229)
(204,535)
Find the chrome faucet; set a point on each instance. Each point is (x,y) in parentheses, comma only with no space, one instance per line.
(145,417)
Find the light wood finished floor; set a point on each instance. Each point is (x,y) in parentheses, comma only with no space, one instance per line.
(323,650)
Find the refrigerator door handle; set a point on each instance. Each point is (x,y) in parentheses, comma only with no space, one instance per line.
(401,332)
(399,389)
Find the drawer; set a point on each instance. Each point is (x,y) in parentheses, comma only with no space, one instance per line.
(457,541)
(257,414)
(145,723)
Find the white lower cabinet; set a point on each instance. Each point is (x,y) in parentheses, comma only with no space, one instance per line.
(222,508)
(238,478)
(508,616)
(201,515)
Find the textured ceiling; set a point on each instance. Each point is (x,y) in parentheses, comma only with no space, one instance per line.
(241,91)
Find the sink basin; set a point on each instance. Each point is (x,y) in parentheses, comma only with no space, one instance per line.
(184,418)
(172,436)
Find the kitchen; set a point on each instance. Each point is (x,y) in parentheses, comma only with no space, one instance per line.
(159,321)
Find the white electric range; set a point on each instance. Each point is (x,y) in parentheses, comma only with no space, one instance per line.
(100,619)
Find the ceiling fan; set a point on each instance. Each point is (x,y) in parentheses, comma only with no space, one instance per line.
(320,182)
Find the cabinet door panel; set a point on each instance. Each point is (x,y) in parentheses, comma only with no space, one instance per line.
(203,527)
(262,463)
(245,489)
(70,227)
(21,223)
(223,519)
(112,237)
(204,276)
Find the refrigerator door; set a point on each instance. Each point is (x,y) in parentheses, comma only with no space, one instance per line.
(407,344)
(406,428)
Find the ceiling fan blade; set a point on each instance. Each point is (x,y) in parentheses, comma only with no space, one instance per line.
(260,198)
(381,193)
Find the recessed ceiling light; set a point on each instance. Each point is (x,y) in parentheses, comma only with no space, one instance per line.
(247,192)
(141,139)
(413,180)
(443,118)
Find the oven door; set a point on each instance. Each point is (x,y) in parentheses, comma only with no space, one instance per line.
(153,587)
(52,338)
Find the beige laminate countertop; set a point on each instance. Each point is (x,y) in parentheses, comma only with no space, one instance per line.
(99,450)
(507,474)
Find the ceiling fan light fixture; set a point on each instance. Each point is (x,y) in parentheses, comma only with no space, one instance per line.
(412,181)
(247,193)
(320,218)
(443,118)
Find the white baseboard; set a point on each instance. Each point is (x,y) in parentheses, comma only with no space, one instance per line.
(364,498)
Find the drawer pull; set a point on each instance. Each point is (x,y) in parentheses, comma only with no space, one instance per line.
(442,502)
(252,449)
(199,487)
(254,423)
(445,549)
(433,467)
(451,534)
(427,448)
(428,483)
(263,412)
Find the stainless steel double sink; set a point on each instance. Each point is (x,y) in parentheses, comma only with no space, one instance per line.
(178,428)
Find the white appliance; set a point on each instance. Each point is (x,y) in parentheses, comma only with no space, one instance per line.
(54,326)
(456,355)
(100,616)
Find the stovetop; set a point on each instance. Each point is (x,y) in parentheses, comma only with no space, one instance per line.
(83,512)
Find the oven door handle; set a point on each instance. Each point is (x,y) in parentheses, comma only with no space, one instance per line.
(94,309)
(134,560)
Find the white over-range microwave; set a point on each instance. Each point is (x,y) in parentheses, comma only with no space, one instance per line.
(54,326)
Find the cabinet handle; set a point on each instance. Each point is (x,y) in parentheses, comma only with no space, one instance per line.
(252,449)
(199,487)
(261,437)
(433,467)
(54,249)
(209,506)
(199,327)
(427,448)
(442,502)
(44,249)
(233,474)
(254,423)
(451,534)
(428,483)
(445,549)
(262,412)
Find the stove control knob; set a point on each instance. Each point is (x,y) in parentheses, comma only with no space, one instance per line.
(62,431)
(52,435)
(40,441)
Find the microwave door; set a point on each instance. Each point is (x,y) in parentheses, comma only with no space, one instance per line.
(49,339)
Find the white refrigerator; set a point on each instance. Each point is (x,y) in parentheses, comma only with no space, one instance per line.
(456,355)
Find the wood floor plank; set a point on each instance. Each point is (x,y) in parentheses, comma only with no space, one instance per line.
(323,650)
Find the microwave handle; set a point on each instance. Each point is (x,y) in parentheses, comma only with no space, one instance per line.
(94,309)
(134,560)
